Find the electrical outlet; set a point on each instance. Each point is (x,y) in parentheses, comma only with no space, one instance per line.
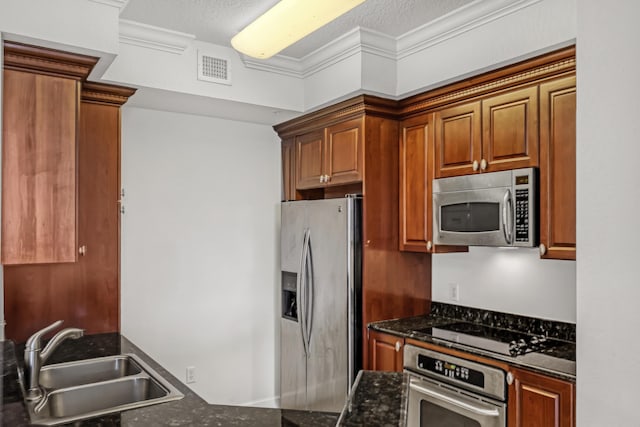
(454,292)
(191,374)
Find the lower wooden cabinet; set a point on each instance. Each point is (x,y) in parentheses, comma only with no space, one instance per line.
(385,352)
(537,400)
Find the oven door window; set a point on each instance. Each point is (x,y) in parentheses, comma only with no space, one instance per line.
(431,404)
(432,415)
(470,217)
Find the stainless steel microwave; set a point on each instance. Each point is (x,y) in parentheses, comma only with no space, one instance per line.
(487,209)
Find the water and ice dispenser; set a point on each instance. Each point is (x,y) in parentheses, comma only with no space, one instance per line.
(289,305)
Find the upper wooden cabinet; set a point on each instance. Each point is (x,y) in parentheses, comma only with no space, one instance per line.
(558,169)
(39,165)
(540,401)
(488,135)
(416,178)
(510,130)
(330,156)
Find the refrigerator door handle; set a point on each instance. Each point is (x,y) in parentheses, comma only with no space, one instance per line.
(309,292)
(301,298)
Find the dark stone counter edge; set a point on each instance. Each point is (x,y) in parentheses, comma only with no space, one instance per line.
(515,361)
(190,410)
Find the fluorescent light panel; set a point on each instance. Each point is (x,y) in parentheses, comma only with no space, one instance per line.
(286,23)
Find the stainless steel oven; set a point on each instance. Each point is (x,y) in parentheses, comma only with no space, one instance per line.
(446,391)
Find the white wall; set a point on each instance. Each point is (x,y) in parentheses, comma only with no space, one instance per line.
(608,292)
(507,280)
(199,250)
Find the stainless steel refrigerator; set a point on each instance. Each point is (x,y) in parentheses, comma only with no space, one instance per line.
(320,327)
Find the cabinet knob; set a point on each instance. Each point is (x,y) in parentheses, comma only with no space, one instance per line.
(82,250)
(429,245)
(483,164)
(543,249)
(475,165)
(398,346)
(509,378)
(327,178)
(321,179)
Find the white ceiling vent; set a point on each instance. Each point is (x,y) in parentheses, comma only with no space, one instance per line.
(213,68)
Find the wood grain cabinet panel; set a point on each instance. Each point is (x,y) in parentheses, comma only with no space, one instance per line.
(510,130)
(539,401)
(385,352)
(558,168)
(458,139)
(38,168)
(309,160)
(288,170)
(416,179)
(343,148)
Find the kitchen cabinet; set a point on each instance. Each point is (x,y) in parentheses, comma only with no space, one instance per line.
(41,90)
(385,352)
(496,133)
(288,170)
(558,169)
(84,293)
(416,179)
(537,400)
(331,156)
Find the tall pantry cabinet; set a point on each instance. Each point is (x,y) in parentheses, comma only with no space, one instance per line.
(60,192)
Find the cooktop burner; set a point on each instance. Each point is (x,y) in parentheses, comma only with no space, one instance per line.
(497,340)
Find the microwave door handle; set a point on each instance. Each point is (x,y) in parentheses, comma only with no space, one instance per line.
(507,217)
(460,404)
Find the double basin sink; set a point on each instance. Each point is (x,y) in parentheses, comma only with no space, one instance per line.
(95,387)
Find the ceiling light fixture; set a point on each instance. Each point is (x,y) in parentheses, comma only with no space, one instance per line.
(286,23)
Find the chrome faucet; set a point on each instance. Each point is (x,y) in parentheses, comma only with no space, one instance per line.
(34,358)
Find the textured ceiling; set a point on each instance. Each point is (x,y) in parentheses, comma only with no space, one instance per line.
(216,21)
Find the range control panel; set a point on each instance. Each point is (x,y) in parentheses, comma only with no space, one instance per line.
(451,370)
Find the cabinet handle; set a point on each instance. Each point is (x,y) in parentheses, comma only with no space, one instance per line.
(543,249)
(321,179)
(475,165)
(82,250)
(509,378)
(429,245)
(398,345)
(483,164)
(327,178)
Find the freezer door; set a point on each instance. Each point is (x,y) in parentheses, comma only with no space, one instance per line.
(292,357)
(328,361)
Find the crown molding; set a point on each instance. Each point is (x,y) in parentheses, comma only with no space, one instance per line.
(120,4)
(475,14)
(24,57)
(358,40)
(150,37)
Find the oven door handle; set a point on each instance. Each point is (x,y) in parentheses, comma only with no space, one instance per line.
(507,217)
(464,405)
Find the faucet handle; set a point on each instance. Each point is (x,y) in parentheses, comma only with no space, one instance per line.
(34,341)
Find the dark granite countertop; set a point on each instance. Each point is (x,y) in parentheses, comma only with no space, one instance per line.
(558,361)
(376,399)
(189,411)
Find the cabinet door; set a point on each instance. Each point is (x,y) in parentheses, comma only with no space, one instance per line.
(558,168)
(84,293)
(38,168)
(539,401)
(344,152)
(288,170)
(458,140)
(510,127)
(309,160)
(385,352)
(415,194)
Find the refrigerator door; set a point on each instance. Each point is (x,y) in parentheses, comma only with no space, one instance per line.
(292,355)
(328,324)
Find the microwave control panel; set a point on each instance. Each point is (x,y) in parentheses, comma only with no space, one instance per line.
(451,370)
(522,215)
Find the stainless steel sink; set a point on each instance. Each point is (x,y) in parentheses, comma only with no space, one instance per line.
(94,387)
(87,371)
